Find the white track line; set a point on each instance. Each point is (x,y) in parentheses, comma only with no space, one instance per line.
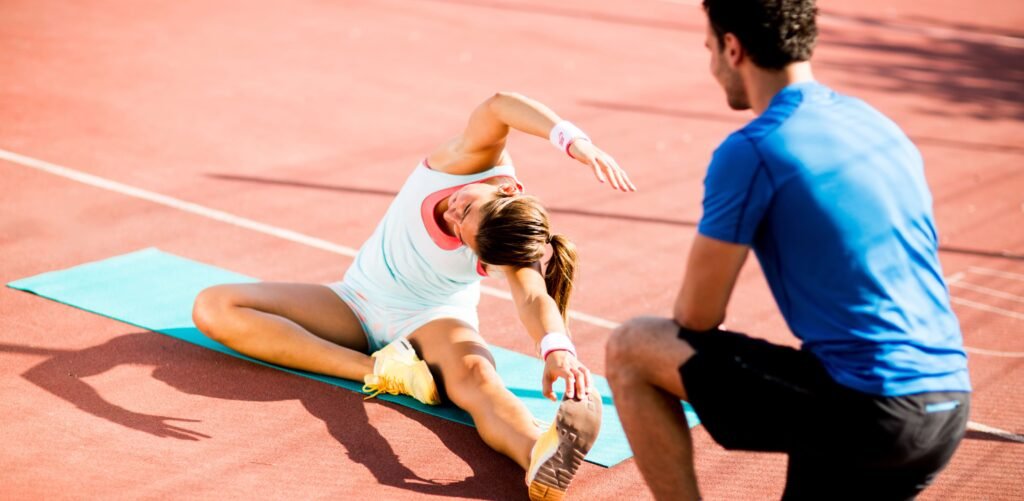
(955,280)
(290,235)
(987,307)
(994,353)
(971,425)
(175,203)
(996,273)
(573,314)
(986,290)
(226,217)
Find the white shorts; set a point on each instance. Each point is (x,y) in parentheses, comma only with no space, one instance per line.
(384,324)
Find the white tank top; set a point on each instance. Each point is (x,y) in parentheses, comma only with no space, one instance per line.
(409,261)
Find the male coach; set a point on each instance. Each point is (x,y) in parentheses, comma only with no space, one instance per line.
(831,196)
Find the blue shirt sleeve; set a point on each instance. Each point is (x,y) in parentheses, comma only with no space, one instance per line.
(737,191)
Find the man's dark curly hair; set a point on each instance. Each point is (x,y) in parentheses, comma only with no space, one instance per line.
(774,32)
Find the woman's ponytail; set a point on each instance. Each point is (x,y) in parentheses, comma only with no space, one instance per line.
(515,231)
(559,273)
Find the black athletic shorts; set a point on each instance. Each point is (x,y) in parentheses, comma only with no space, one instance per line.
(842,444)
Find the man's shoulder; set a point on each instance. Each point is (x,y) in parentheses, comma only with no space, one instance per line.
(737,147)
(748,142)
(789,104)
(813,111)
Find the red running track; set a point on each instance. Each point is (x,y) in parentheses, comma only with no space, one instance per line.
(307,115)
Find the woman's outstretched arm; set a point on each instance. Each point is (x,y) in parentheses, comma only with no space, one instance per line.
(482,144)
(540,316)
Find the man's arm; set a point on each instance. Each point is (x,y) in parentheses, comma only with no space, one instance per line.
(711,273)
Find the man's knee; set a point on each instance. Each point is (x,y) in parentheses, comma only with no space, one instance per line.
(621,345)
(646,349)
(630,344)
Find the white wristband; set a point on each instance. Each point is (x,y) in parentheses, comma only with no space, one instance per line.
(555,341)
(564,133)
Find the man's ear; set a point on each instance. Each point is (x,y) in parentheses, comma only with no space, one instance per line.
(732,50)
(507,188)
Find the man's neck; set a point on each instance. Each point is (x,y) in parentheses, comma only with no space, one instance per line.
(763,85)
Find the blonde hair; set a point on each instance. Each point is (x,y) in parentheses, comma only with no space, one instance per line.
(514,231)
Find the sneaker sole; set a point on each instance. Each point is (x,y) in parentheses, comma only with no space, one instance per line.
(577,422)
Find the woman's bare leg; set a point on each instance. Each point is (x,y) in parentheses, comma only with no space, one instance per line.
(303,326)
(459,356)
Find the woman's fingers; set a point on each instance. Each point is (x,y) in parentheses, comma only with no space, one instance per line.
(584,382)
(620,174)
(603,172)
(547,386)
(577,377)
(605,167)
(577,383)
(630,181)
(626,181)
(597,170)
(612,173)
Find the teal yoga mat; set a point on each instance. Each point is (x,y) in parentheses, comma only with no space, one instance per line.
(155,290)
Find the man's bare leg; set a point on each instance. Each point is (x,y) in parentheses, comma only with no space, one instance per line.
(643,360)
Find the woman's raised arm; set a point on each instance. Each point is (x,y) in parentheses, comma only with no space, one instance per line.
(482,144)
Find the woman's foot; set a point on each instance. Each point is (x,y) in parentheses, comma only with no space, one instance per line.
(397,370)
(559,451)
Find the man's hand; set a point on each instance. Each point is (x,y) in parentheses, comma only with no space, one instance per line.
(563,365)
(603,165)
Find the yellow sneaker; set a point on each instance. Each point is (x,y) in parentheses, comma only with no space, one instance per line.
(399,349)
(559,451)
(398,371)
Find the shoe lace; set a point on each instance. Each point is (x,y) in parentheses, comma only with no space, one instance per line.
(384,384)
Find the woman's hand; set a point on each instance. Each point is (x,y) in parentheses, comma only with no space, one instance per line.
(563,365)
(603,165)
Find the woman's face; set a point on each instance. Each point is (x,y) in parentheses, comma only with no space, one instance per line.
(463,214)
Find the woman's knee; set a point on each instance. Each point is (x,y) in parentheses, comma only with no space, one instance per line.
(210,309)
(471,374)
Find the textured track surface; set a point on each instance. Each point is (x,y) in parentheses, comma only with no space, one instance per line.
(307,116)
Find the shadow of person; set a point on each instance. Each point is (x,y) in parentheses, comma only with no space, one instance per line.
(197,371)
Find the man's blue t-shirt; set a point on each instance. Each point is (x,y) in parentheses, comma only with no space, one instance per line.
(831,195)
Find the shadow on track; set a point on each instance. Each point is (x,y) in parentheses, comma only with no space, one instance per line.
(387,193)
(568,211)
(343,412)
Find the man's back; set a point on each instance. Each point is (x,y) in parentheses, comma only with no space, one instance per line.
(831,195)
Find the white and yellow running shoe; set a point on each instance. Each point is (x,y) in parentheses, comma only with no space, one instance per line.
(397,370)
(399,349)
(559,451)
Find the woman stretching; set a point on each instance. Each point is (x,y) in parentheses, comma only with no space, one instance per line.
(409,299)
